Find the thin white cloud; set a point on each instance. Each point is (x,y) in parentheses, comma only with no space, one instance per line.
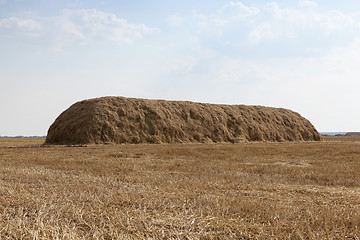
(233,12)
(182,65)
(3,2)
(91,23)
(323,20)
(202,21)
(307,3)
(238,9)
(175,20)
(271,21)
(284,14)
(264,31)
(336,20)
(71,28)
(22,24)
(75,3)
(74,26)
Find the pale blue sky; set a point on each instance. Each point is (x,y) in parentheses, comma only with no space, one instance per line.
(302,55)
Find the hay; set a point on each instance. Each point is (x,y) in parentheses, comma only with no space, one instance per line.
(130,120)
(352,134)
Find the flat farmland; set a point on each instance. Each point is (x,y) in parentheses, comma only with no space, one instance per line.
(297,190)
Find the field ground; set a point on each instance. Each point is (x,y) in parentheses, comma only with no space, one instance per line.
(308,190)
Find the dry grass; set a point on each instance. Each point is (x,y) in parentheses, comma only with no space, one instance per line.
(199,191)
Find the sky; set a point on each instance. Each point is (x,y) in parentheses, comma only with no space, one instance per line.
(302,55)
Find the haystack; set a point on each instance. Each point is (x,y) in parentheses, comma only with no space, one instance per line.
(130,120)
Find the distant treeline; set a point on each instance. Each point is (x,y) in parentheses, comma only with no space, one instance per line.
(340,133)
(23,137)
(352,134)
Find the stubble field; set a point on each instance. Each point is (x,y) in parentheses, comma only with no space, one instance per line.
(303,190)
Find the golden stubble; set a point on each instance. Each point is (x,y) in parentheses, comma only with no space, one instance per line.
(184,191)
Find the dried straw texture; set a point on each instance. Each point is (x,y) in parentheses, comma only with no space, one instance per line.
(262,191)
(130,120)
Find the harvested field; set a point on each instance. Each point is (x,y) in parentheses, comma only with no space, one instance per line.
(131,120)
(302,190)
